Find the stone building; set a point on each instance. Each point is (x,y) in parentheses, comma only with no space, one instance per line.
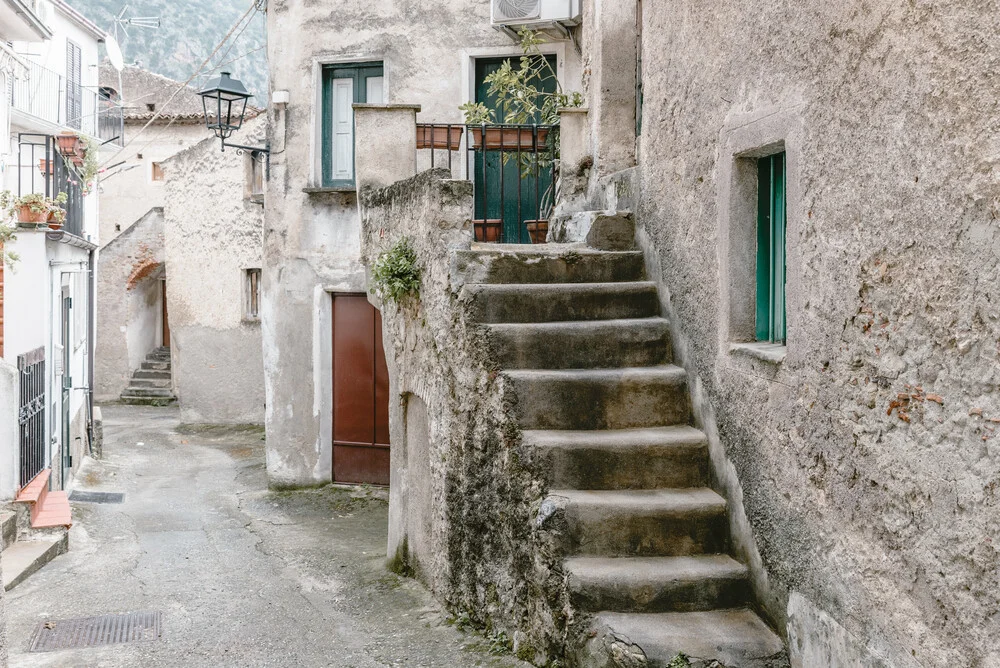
(190,334)
(747,412)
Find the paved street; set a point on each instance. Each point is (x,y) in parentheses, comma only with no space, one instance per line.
(243,576)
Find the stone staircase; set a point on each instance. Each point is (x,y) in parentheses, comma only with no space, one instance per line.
(35,531)
(577,331)
(151,383)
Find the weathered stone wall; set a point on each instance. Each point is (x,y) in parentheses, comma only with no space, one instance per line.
(864,456)
(464,493)
(213,234)
(312,236)
(129,270)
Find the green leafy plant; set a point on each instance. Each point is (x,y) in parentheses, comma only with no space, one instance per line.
(396,275)
(85,173)
(7,229)
(679,661)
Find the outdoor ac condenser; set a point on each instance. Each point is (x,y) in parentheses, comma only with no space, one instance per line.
(535,13)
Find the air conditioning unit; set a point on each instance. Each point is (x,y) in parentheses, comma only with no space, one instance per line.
(537,14)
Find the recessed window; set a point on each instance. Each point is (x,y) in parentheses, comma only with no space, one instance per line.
(150,107)
(344,86)
(157,172)
(770,320)
(255,176)
(252,289)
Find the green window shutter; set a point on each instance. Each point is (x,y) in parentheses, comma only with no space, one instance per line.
(771,249)
(344,85)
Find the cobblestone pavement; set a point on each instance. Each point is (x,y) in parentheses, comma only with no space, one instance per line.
(244,576)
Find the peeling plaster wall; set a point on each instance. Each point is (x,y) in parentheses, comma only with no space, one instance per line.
(128,311)
(866,462)
(213,235)
(311,244)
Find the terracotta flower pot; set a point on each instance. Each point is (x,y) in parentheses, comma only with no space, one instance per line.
(511,139)
(53,223)
(449,137)
(487,230)
(538,230)
(45,166)
(67,143)
(26,215)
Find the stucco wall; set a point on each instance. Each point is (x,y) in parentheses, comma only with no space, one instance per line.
(311,244)
(9,432)
(212,236)
(867,458)
(128,303)
(127,195)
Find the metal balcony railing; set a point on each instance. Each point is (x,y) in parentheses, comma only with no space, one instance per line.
(513,169)
(43,94)
(42,169)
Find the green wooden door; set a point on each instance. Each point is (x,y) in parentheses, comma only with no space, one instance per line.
(517,196)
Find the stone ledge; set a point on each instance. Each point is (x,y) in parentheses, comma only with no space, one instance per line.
(774,353)
(331,189)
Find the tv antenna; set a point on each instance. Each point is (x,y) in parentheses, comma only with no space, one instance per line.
(120,22)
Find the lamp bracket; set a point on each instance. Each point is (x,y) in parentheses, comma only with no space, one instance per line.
(259,153)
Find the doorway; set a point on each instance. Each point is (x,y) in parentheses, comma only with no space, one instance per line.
(65,339)
(513,193)
(165,320)
(360,393)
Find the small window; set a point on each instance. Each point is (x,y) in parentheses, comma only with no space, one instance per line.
(256,176)
(157,173)
(343,86)
(771,248)
(150,106)
(252,294)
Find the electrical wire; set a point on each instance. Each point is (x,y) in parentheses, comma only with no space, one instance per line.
(251,10)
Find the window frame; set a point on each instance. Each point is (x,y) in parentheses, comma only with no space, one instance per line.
(771,265)
(360,72)
(251,294)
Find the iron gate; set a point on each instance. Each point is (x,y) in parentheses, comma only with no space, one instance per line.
(31,413)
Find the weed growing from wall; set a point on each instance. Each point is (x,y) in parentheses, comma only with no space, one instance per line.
(396,275)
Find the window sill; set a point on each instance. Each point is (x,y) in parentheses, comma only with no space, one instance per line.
(773,353)
(330,189)
(256,199)
(251,321)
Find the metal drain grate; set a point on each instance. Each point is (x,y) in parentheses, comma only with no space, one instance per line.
(94,631)
(96,497)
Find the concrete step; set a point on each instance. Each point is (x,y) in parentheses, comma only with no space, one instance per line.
(146,392)
(734,637)
(54,511)
(550,264)
(601,398)
(644,523)
(657,584)
(150,382)
(8,529)
(147,401)
(155,366)
(23,558)
(538,302)
(653,458)
(152,375)
(581,345)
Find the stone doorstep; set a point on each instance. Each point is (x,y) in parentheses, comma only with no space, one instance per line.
(25,557)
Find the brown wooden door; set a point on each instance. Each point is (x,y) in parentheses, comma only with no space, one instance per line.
(360,393)
(166,320)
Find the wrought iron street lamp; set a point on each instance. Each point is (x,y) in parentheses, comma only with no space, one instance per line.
(224,101)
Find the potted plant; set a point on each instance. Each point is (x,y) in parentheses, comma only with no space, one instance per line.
(538,230)
(45,167)
(67,143)
(487,230)
(32,208)
(57,214)
(84,166)
(439,136)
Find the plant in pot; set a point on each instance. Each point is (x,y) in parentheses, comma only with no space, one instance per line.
(517,91)
(84,166)
(67,143)
(57,214)
(32,208)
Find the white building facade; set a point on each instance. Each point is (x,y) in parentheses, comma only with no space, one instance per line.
(47,309)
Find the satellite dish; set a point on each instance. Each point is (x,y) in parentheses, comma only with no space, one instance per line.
(114,53)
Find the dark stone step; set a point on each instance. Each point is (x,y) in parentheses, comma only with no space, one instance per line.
(561,302)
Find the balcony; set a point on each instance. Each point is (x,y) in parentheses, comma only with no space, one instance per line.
(47,96)
(42,169)
(513,171)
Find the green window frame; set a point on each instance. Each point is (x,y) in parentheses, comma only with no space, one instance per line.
(344,85)
(771,226)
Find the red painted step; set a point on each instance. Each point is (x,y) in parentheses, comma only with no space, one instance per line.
(48,509)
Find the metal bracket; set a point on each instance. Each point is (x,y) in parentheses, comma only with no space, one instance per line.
(259,153)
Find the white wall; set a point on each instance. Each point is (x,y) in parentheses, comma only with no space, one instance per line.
(9,399)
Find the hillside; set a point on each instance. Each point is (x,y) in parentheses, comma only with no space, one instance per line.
(189,30)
